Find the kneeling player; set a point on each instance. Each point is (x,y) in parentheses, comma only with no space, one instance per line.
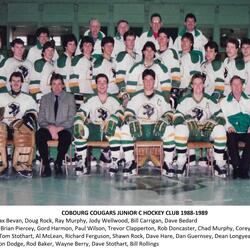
(18,122)
(199,118)
(97,120)
(147,117)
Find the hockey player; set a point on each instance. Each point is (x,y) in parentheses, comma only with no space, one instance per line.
(199,118)
(35,52)
(147,117)
(41,72)
(190,26)
(245,49)
(98,119)
(13,64)
(152,34)
(213,71)
(63,63)
(169,57)
(126,59)
(96,34)
(236,110)
(81,75)
(105,64)
(135,80)
(233,65)
(18,122)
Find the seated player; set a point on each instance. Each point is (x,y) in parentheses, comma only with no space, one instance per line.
(18,122)
(147,117)
(97,120)
(199,118)
(236,109)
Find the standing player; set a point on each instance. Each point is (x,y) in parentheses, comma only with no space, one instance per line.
(245,49)
(18,122)
(148,117)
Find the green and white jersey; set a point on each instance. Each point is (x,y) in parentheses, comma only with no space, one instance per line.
(149,37)
(200,111)
(199,40)
(35,53)
(162,77)
(147,110)
(97,112)
(107,67)
(40,78)
(81,75)
(236,113)
(190,64)
(170,59)
(214,73)
(124,62)
(16,106)
(10,65)
(233,67)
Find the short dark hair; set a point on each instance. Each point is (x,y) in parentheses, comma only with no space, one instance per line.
(190,15)
(100,76)
(41,30)
(16,41)
(245,40)
(69,38)
(49,44)
(163,30)
(199,76)
(16,74)
(122,21)
(235,77)
(212,45)
(128,33)
(107,39)
(148,72)
(190,37)
(86,39)
(233,41)
(56,76)
(155,15)
(149,45)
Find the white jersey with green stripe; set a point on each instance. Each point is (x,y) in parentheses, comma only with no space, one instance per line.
(11,65)
(214,73)
(147,110)
(16,106)
(98,112)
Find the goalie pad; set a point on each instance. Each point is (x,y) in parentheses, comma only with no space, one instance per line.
(24,146)
(30,120)
(160,126)
(3,143)
(110,126)
(79,129)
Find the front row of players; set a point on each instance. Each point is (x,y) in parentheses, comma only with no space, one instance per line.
(147,117)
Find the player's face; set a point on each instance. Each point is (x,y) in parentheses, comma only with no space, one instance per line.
(156,24)
(108,48)
(102,85)
(71,47)
(197,86)
(43,38)
(16,83)
(122,28)
(48,54)
(95,27)
(186,44)
(245,49)
(231,50)
(130,42)
(149,54)
(148,83)
(87,48)
(210,54)
(190,24)
(18,50)
(57,86)
(163,40)
(236,87)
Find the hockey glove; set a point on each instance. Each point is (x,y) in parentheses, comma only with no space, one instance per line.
(134,126)
(111,125)
(29,119)
(78,130)
(208,127)
(192,124)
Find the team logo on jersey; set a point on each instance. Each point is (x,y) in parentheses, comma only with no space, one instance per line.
(14,108)
(102,113)
(23,70)
(148,110)
(197,113)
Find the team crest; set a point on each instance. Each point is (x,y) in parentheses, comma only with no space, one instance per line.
(102,114)
(23,70)
(149,110)
(14,108)
(199,114)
